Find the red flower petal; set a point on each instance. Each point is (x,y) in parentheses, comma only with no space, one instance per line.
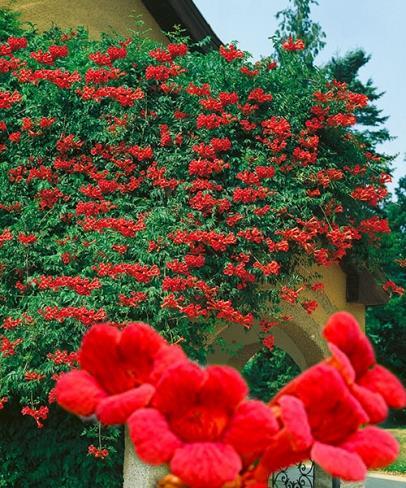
(295,422)
(256,484)
(153,440)
(117,408)
(223,379)
(332,411)
(179,388)
(251,429)
(382,381)
(340,328)
(206,464)
(78,392)
(139,344)
(343,330)
(339,462)
(373,403)
(341,362)
(312,383)
(376,447)
(98,355)
(166,357)
(279,455)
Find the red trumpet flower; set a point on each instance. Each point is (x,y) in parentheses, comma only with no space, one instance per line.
(373,386)
(324,412)
(202,425)
(118,371)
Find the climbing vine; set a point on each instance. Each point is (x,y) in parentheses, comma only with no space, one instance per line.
(157,183)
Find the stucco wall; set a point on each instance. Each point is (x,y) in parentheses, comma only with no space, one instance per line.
(97,15)
(136,473)
(334,280)
(301,338)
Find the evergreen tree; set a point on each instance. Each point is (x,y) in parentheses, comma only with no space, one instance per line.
(386,324)
(370,119)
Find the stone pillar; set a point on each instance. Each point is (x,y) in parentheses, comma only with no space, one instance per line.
(324,480)
(136,473)
(321,478)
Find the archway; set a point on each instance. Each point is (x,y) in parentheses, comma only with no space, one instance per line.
(302,341)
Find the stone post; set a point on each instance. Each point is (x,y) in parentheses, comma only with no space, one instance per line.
(324,480)
(321,478)
(136,473)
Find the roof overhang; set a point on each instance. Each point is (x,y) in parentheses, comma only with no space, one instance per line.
(169,13)
(362,287)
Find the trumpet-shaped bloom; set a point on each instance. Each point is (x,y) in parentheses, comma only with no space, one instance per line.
(118,371)
(200,422)
(374,386)
(324,412)
(202,425)
(315,409)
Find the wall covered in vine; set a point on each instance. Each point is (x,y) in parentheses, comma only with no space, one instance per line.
(157,183)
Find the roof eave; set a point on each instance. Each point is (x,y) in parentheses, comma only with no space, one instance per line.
(362,287)
(169,13)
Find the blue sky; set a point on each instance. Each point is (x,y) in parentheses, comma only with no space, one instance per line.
(375,25)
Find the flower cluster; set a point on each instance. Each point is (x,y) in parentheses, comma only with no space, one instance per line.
(82,314)
(81,286)
(293,44)
(97,452)
(201,422)
(38,414)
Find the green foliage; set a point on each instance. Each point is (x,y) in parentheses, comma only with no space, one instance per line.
(9,24)
(296,21)
(55,455)
(70,244)
(386,323)
(268,371)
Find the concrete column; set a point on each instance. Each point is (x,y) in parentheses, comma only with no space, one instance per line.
(321,478)
(324,480)
(136,473)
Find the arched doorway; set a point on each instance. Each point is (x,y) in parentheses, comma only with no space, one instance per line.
(298,346)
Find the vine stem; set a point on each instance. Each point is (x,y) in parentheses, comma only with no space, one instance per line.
(99,435)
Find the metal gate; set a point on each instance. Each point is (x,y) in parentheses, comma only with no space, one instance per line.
(301,475)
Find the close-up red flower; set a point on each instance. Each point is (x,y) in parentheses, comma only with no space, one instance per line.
(374,386)
(326,410)
(202,425)
(118,371)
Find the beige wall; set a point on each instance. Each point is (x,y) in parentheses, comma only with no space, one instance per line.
(136,473)
(97,15)
(334,280)
(301,338)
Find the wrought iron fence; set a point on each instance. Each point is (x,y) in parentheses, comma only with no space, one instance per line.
(299,476)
